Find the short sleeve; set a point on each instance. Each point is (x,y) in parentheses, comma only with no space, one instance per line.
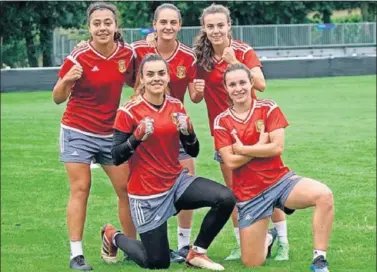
(124,121)
(251,59)
(275,120)
(67,65)
(192,72)
(221,135)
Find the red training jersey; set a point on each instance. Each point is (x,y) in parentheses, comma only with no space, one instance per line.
(154,167)
(95,97)
(215,94)
(258,174)
(182,66)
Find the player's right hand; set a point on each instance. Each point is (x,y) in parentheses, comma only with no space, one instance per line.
(151,39)
(81,44)
(144,129)
(264,137)
(74,73)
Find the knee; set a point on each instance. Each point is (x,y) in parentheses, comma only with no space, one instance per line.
(121,192)
(326,199)
(227,198)
(80,191)
(253,261)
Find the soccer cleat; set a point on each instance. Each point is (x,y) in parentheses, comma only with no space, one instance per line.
(79,263)
(183,252)
(175,257)
(282,252)
(199,260)
(274,233)
(108,250)
(319,264)
(235,254)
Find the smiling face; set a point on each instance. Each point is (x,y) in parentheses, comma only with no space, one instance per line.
(217,28)
(155,77)
(167,24)
(239,85)
(102,26)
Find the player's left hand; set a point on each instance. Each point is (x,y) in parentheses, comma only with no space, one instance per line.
(237,146)
(183,123)
(199,85)
(229,56)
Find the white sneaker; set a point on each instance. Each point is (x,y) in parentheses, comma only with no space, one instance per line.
(198,260)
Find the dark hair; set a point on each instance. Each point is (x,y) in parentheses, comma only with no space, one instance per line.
(235,67)
(203,47)
(139,87)
(101,6)
(166,6)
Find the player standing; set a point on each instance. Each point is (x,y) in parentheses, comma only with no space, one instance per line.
(250,138)
(92,78)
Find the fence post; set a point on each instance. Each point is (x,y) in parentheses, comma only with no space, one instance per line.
(374,33)
(310,34)
(276,36)
(342,36)
(241,32)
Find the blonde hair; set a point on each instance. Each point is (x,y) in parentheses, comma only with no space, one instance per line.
(139,88)
(203,47)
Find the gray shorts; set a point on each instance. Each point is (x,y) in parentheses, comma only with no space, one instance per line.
(263,205)
(217,157)
(182,153)
(149,213)
(79,147)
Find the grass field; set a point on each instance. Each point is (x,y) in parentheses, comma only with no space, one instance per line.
(331,137)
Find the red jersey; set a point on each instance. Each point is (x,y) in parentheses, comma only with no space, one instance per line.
(215,94)
(260,173)
(95,97)
(182,66)
(154,167)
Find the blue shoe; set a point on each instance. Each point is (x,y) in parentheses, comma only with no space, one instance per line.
(274,233)
(319,264)
(183,252)
(175,258)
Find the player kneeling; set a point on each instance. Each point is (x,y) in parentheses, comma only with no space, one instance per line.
(250,138)
(147,132)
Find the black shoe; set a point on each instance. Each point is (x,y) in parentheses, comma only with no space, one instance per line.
(79,263)
(320,264)
(183,252)
(175,258)
(274,234)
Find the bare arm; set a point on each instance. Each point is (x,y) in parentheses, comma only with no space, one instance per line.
(196,90)
(265,150)
(259,81)
(64,85)
(231,160)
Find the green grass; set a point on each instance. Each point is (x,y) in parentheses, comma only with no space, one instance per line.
(331,137)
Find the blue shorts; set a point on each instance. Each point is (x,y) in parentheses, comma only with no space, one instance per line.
(150,212)
(263,204)
(79,147)
(182,153)
(217,157)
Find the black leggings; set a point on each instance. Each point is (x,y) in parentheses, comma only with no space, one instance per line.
(153,250)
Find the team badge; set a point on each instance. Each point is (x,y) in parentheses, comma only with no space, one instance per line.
(258,124)
(181,71)
(122,66)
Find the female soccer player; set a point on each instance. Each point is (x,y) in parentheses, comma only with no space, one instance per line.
(215,50)
(181,59)
(250,138)
(92,78)
(147,133)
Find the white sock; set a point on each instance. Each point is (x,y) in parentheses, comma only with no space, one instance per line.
(237,234)
(282,230)
(318,252)
(76,249)
(269,239)
(113,241)
(183,237)
(199,250)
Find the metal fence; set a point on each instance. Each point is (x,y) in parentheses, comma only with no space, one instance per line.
(258,36)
